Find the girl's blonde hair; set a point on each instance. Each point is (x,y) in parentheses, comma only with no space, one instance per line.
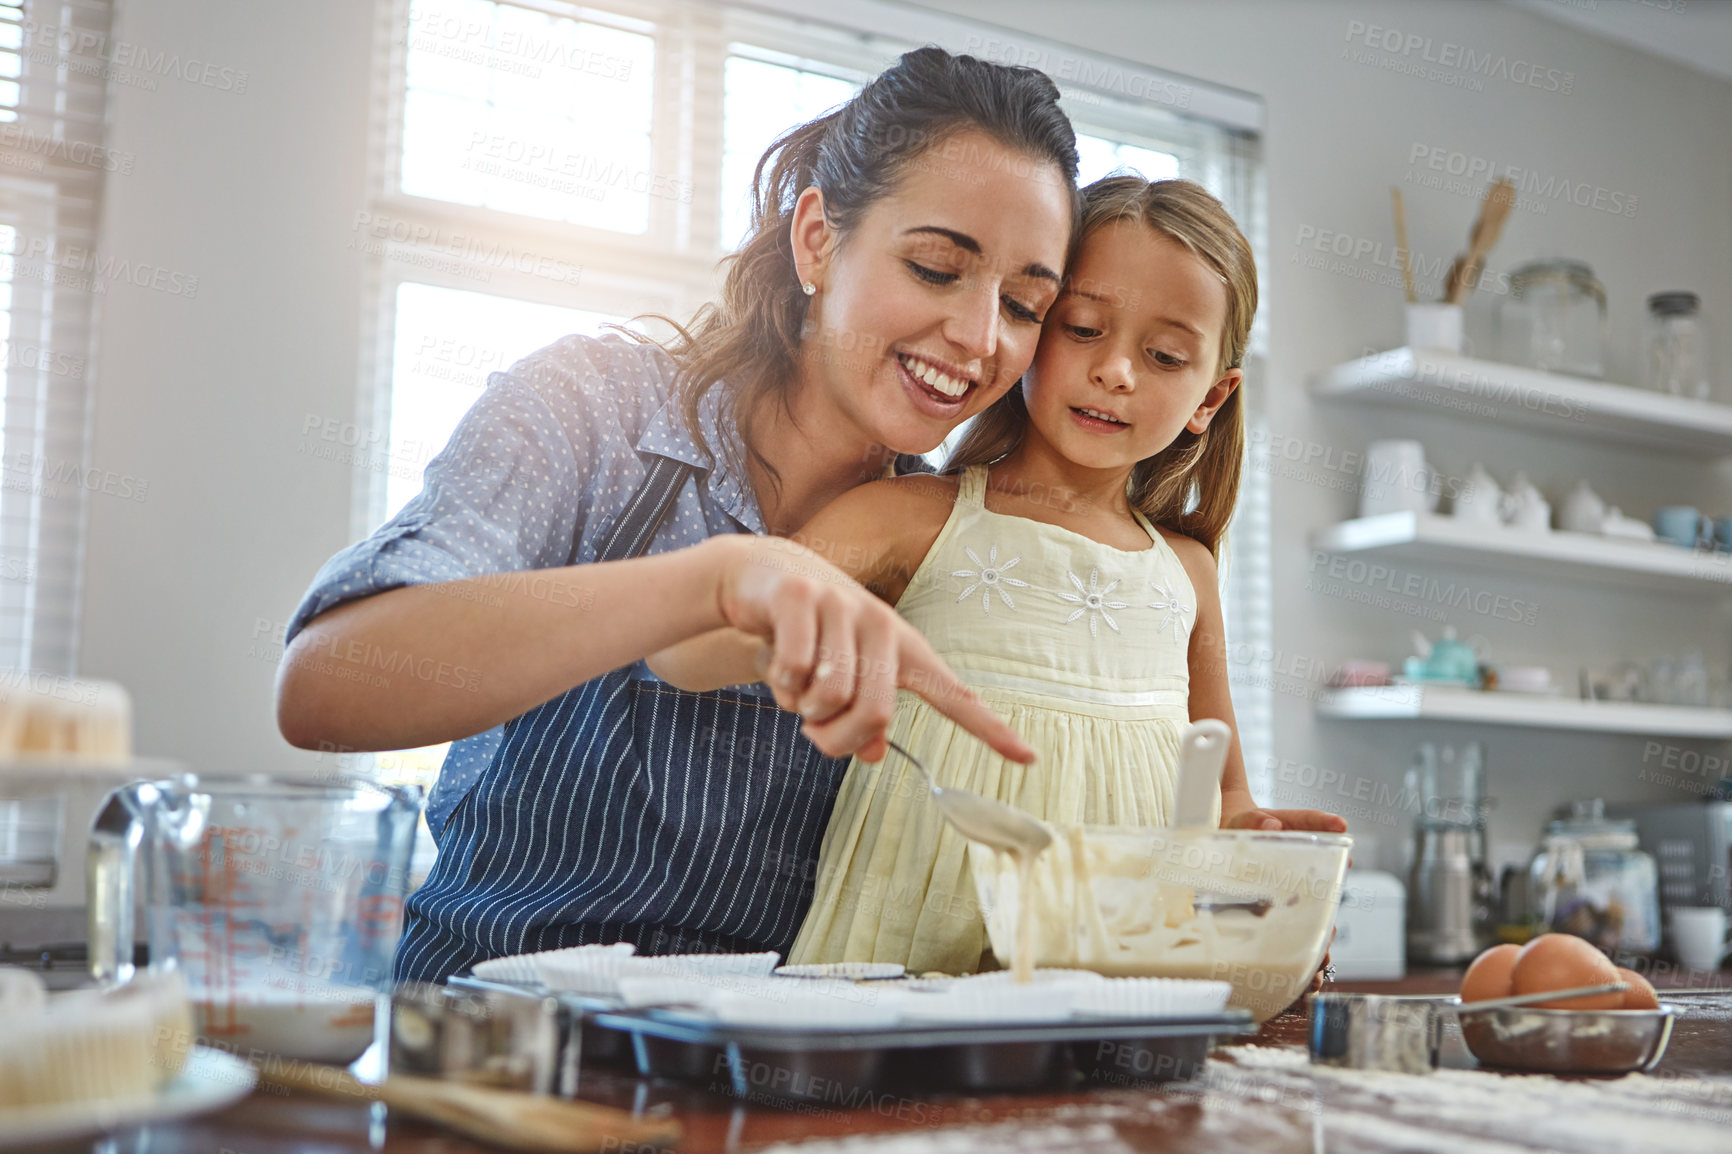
(749,340)
(1192,485)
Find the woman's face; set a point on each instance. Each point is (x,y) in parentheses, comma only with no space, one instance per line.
(930,308)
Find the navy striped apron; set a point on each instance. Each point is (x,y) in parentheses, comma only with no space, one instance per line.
(628,810)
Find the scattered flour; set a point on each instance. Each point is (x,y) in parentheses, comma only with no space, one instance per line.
(1456,1111)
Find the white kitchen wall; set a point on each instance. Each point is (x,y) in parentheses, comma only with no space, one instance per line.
(253,192)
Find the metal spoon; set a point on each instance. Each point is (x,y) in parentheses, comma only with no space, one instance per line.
(982,819)
(1543,996)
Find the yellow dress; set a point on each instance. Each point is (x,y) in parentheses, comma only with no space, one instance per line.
(1082,648)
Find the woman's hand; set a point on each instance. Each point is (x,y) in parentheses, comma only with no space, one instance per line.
(836,654)
(1253,816)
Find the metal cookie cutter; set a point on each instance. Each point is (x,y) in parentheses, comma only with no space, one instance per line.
(485,1037)
(1376,1032)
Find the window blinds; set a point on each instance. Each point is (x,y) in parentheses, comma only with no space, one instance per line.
(55,61)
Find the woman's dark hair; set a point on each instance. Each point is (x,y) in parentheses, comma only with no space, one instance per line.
(855,155)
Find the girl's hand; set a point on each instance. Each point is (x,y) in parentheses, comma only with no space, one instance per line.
(1312,820)
(836,654)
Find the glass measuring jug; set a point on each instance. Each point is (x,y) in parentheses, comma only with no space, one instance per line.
(280,901)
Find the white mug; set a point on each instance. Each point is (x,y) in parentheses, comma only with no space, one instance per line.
(1699,936)
(1434,326)
(1397,479)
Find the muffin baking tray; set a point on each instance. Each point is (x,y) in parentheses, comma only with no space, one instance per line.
(798,1067)
(801,1067)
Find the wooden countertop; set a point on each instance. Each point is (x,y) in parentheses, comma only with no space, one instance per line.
(1260,1095)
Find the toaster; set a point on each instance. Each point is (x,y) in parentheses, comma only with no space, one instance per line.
(1370,927)
(1692,847)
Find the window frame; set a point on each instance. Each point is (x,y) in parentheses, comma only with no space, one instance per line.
(673,264)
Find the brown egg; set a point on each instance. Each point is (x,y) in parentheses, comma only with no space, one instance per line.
(1562,962)
(1640,995)
(1489,975)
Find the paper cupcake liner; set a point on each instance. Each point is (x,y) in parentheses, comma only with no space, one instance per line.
(1150,998)
(807,1009)
(696,965)
(846,971)
(598,973)
(1008,977)
(521,967)
(993,1003)
(593,975)
(660,991)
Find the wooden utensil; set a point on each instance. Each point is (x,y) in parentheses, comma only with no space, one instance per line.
(507,1118)
(1401,243)
(1494,210)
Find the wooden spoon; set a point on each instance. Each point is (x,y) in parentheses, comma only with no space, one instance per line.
(507,1118)
(1494,210)
(1401,243)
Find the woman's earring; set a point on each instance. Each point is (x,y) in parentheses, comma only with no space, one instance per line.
(809,288)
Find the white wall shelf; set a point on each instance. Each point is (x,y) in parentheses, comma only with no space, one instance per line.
(1443,703)
(1563,405)
(1417,539)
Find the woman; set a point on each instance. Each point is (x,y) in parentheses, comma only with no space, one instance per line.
(600,502)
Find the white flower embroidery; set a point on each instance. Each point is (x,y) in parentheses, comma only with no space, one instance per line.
(1175,610)
(1093,601)
(989,576)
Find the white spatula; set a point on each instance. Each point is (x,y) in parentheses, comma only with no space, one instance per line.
(1202,756)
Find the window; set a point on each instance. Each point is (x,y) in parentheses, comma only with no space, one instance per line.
(548,166)
(761,99)
(52,163)
(11,58)
(447,342)
(500,111)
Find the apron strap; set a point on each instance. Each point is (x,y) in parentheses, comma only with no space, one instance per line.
(643,514)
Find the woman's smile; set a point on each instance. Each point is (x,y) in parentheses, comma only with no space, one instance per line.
(937,391)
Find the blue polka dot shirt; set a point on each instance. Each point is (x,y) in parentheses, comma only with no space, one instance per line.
(532,478)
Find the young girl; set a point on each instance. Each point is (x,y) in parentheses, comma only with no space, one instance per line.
(1065,570)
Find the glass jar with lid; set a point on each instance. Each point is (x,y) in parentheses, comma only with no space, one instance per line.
(1555,318)
(1677,346)
(1590,879)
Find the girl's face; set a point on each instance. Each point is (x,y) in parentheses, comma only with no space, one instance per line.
(930,308)
(1128,355)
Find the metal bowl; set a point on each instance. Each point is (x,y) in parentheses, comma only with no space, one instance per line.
(1376,1032)
(1568,1041)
